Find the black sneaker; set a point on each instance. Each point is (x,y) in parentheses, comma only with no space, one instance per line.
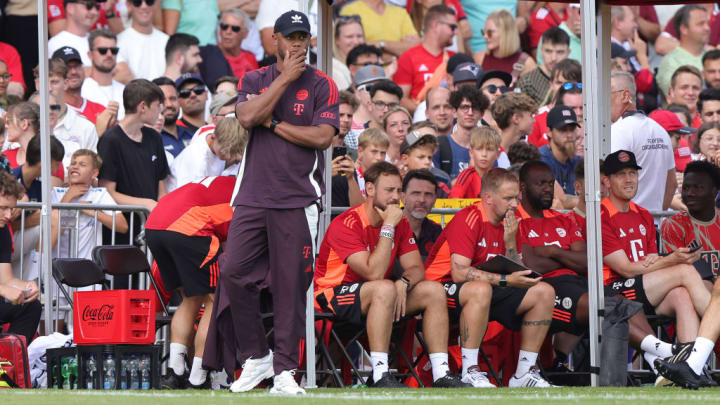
(387,381)
(450,380)
(706,379)
(172,381)
(679,373)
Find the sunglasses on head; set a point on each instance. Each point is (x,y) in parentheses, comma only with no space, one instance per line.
(344,19)
(104,50)
(198,90)
(571,85)
(138,3)
(492,89)
(235,28)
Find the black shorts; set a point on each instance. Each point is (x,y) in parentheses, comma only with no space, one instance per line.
(503,304)
(631,289)
(190,262)
(568,290)
(343,302)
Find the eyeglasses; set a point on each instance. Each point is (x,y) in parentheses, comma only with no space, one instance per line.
(235,28)
(487,33)
(452,26)
(198,90)
(572,85)
(104,50)
(492,89)
(366,63)
(89,5)
(467,107)
(138,3)
(55,107)
(6,76)
(384,105)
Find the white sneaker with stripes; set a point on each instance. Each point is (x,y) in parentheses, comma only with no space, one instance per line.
(531,379)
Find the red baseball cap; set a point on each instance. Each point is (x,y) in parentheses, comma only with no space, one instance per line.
(670,122)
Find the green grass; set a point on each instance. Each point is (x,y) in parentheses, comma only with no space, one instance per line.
(625,396)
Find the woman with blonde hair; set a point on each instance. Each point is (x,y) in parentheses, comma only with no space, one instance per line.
(396,123)
(503,47)
(349,33)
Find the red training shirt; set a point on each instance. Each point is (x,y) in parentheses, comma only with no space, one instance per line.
(467,185)
(681,229)
(416,66)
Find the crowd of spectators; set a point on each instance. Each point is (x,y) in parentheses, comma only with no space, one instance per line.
(145,90)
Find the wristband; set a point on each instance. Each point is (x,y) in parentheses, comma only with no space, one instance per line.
(387,227)
(503,281)
(384,233)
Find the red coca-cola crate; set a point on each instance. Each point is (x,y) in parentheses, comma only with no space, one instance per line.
(114,317)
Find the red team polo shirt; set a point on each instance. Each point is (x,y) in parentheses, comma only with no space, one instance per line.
(467,185)
(554,228)
(681,229)
(632,232)
(349,233)
(471,234)
(416,66)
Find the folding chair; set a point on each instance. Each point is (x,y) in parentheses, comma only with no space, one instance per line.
(77,273)
(128,260)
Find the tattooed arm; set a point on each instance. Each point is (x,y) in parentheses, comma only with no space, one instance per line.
(462,270)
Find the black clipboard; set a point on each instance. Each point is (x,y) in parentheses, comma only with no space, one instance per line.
(500,264)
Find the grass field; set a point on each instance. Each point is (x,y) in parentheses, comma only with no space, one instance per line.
(634,396)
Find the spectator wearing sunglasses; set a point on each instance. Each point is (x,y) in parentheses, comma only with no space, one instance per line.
(174,137)
(424,66)
(108,15)
(81,17)
(503,50)
(493,83)
(192,95)
(141,44)
(99,86)
(232,30)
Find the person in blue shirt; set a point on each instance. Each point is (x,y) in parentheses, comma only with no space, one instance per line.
(175,138)
(559,153)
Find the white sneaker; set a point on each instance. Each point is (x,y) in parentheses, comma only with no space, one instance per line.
(254,371)
(531,379)
(477,378)
(285,384)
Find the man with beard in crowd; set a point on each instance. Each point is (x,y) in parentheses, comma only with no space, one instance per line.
(175,137)
(192,94)
(559,154)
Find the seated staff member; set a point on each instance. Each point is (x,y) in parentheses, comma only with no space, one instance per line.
(701,221)
(353,270)
(419,188)
(185,235)
(551,244)
(667,285)
(474,235)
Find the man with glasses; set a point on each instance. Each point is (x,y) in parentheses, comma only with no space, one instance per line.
(493,83)
(141,44)
(361,56)
(81,17)
(233,29)
(100,86)
(192,95)
(384,95)
(423,66)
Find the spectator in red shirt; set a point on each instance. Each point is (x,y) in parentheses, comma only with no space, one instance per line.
(484,151)
(424,66)
(418,9)
(503,50)
(10,56)
(546,17)
(233,29)
(6,99)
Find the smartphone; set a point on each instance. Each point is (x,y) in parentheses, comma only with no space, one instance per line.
(339,151)
(694,247)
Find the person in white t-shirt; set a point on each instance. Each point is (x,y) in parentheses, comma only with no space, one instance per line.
(209,153)
(84,227)
(142,45)
(632,130)
(100,86)
(80,19)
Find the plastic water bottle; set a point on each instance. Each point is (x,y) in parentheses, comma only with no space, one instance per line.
(65,372)
(90,371)
(134,373)
(123,374)
(145,373)
(109,366)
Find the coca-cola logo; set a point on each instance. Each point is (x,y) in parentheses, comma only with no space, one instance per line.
(102,313)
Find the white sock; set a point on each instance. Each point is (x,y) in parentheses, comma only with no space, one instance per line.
(525,361)
(197,373)
(469,359)
(650,358)
(651,344)
(176,361)
(379,361)
(699,355)
(440,367)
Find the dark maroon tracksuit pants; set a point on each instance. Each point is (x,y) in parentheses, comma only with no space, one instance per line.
(265,248)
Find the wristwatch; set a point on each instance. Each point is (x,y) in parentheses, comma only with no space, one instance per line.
(382,45)
(273,124)
(503,281)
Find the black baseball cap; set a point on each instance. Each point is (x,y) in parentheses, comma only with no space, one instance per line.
(466,72)
(560,116)
(617,51)
(495,74)
(67,54)
(188,77)
(619,160)
(292,21)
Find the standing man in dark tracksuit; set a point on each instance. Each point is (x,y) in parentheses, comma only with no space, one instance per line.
(291,113)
